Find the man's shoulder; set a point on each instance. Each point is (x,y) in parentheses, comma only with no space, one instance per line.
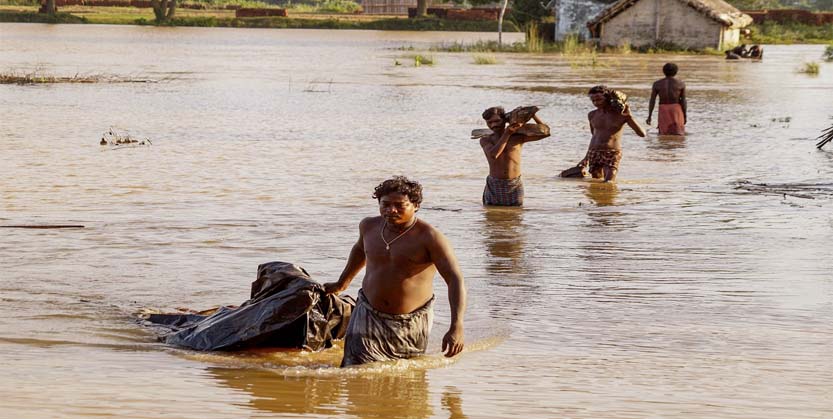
(426,228)
(369,221)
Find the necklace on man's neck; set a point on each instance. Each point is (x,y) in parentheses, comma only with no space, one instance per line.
(388,243)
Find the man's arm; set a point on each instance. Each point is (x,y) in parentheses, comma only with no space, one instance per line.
(683,104)
(654,92)
(534,132)
(632,122)
(355,262)
(442,255)
(496,150)
(590,121)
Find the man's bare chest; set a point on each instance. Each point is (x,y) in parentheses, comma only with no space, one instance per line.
(607,122)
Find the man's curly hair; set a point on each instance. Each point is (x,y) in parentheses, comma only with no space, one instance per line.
(600,89)
(399,184)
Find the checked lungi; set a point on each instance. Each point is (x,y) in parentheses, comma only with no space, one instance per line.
(504,192)
(373,335)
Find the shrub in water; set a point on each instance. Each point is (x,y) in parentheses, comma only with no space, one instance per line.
(810,68)
(485,59)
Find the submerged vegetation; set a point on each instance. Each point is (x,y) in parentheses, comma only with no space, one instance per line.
(39,76)
(423,60)
(571,46)
(811,68)
(485,59)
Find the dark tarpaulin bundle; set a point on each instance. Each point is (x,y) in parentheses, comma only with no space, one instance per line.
(287,309)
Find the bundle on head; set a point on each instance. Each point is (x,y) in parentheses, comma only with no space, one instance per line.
(618,100)
(521,114)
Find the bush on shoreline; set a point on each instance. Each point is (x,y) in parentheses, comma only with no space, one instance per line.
(789,33)
(35,17)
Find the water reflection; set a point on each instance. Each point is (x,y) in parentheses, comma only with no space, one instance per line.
(602,194)
(505,238)
(401,394)
(664,148)
(279,394)
(453,403)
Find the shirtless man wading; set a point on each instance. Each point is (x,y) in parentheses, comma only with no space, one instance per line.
(503,153)
(672,104)
(606,125)
(394,310)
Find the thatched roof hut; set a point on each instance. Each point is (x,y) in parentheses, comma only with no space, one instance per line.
(683,23)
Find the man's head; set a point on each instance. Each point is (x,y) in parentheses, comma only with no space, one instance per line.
(600,96)
(669,69)
(495,118)
(399,198)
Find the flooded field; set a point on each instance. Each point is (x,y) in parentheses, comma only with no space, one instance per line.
(700,286)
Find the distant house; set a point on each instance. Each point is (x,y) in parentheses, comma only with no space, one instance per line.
(694,24)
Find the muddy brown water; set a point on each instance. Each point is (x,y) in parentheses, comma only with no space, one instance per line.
(683,292)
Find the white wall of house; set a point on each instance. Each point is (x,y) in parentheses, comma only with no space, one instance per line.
(656,21)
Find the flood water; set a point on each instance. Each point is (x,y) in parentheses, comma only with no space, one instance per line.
(674,294)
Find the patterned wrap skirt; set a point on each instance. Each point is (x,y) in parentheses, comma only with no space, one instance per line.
(376,336)
(601,158)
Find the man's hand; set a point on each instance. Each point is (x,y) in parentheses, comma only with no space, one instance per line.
(627,112)
(648,121)
(453,341)
(514,127)
(332,288)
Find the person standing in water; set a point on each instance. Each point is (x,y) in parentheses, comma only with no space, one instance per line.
(394,311)
(606,124)
(672,104)
(504,185)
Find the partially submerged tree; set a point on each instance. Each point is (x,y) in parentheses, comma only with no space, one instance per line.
(163,9)
(522,13)
(527,15)
(422,8)
(48,7)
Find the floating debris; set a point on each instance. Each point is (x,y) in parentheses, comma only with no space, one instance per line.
(120,139)
(42,226)
(39,76)
(798,190)
(825,137)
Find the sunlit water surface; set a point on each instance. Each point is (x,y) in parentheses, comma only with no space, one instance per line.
(674,294)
